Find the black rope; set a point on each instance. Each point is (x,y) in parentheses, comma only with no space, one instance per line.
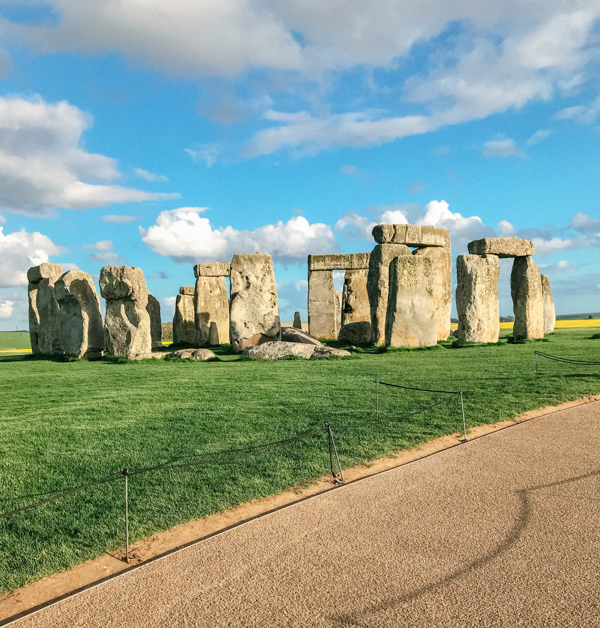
(442,392)
(556,358)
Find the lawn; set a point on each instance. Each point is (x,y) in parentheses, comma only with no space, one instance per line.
(67,423)
(14,340)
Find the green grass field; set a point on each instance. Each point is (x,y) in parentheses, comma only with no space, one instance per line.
(14,340)
(68,423)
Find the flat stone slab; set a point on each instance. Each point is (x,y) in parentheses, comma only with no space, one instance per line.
(411,235)
(212,269)
(502,247)
(187,290)
(293,334)
(279,350)
(203,355)
(345,261)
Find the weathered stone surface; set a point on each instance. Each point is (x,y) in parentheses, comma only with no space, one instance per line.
(441,258)
(80,315)
(528,302)
(204,355)
(153,309)
(321,304)
(337,301)
(44,321)
(355,298)
(477,298)
(187,290)
(549,310)
(297,320)
(341,261)
(211,311)
(212,269)
(411,235)
(293,334)
(184,325)
(378,286)
(411,320)
(254,309)
(502,247)
(279,350)
(127,322)
(357,333)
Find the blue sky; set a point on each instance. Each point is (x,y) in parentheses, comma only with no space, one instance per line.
(161,135)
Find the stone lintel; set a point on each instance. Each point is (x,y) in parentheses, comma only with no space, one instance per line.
(45,270)
(188,290)
(411,235)
(502,247)
(212,269)
(341,261)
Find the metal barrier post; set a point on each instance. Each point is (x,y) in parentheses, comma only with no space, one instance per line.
(336,480)
(462,405)
(536,363)
(125,472)
(377,398)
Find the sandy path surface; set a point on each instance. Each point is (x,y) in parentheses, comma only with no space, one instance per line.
(501,531)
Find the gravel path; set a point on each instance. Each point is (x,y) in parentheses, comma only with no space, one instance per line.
(502,531)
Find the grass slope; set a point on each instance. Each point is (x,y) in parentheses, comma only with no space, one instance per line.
(67,423)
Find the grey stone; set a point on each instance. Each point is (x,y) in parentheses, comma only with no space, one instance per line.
(297,320)
(340,261)
(378,280)
(204,355)
(321,304)
(410,235)
(184,326)
(153,309)
(34,318)
(211,311)
(355,298)
(44,312)
(477,298)
(337,303)
(328,352)
(502,247)
(411,320)
(293,334)
(254,308)
(528,302)
(279,350)
(357,333)
(127,322)
(187,290)
(549,310)
(212,269)
(80,315)
(441,258)
(45,270)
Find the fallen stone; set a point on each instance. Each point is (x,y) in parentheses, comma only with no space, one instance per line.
(297,320)
(528,301)
(321,304)
(279,350)
(293,334)
(355,298)
(502,247)
(80,316)
(184,326)
(343,261)
(477,298)
(549,310)
(204,355)
(410,320)
(127,322)
(411,235)
(378,280)
(254,308)
(44,313)
(211,311)
(357,333)
(153,309)
(328,352)
(212,269)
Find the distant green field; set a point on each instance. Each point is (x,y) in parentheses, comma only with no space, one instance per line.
(14,340)
(64,424)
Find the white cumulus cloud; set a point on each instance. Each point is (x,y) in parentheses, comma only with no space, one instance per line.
(105,253)
(188,238)
(6,309)
(501,147)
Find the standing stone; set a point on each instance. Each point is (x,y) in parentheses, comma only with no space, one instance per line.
(411,320)
(44,322)
(153,308)
(441,257)
(297,320)
(378,279)
(254,309)
(355,298)
(549,311)
(477,298)
(127,323)
(337,300)
(211,310)
(322,320)
(528,302)
(81,327)
(184,327)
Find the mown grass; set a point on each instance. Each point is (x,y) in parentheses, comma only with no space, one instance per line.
(14,340)
(67,423)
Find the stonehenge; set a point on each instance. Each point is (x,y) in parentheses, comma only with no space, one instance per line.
(153,309)
(355,299)
(549,311)
(44,322)
(211,304)
(528,302)
(184,326)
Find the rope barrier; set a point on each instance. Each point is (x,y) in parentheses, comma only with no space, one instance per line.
(441,392)
(556,358)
